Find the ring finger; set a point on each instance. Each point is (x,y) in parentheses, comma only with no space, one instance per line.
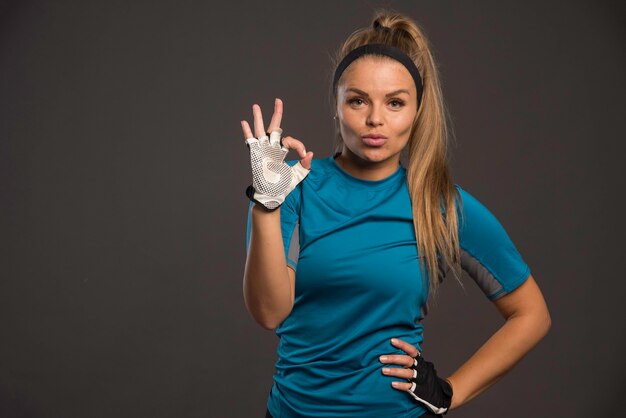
(400,372)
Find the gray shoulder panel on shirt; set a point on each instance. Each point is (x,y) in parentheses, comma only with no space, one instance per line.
(490,286)
(294,245)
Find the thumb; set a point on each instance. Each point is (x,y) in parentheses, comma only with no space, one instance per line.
(306,161)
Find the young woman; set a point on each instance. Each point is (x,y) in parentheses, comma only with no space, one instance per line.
(365,234)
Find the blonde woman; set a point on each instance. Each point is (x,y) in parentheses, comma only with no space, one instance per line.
(344,251)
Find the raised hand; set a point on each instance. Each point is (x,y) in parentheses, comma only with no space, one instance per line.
(272,178)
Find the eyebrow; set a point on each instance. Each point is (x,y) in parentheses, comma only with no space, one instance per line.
(393,93)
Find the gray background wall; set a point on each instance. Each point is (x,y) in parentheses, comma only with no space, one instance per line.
(123,170)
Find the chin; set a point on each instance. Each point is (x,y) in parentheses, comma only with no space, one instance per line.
(374,155)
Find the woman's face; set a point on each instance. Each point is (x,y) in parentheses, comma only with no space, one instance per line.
(376,96)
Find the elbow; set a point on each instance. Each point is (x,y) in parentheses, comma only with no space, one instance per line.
(271,322)
(266,321)
(268,326)
(267,310)
(263,320)
(541,322)
(546,322)
(537,324)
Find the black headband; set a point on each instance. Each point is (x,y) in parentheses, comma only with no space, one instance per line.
(382,49)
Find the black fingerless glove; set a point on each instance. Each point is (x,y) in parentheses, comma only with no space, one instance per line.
(435,393)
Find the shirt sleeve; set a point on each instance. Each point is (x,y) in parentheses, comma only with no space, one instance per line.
(289,224)
(487,253)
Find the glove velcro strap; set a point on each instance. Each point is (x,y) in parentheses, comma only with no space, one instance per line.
(434,409)
(250,193)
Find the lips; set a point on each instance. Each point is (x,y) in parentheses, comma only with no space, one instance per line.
(374,140)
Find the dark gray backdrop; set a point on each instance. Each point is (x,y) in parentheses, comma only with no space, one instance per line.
(123,170)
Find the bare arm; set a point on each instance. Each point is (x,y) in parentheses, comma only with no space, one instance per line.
(527,322)
(268,283)
(268,287)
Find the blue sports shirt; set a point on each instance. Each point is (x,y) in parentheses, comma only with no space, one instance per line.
(358,284)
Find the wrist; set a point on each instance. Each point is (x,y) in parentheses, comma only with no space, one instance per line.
(457,399)
(263,201)
(259,209)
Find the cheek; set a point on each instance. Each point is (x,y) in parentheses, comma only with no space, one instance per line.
(350,124)
(403,125)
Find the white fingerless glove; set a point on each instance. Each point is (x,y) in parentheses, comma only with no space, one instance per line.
(272,178)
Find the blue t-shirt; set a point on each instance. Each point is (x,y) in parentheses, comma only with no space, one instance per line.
(358,284)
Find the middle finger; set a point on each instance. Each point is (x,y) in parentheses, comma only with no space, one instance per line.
(277,116)
(259,129)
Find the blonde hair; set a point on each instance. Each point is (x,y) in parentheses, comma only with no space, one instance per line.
(431,189)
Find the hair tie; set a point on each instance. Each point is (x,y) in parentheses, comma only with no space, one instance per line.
(381,49)
(380,27)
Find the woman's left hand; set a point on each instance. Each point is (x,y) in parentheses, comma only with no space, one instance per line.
(423,383)
(403,360)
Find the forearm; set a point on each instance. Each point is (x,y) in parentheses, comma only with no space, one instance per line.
(497,356)
(267,290)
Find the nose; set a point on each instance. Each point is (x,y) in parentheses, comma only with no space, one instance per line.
(374,116)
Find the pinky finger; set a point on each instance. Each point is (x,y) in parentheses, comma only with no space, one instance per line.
(247,132)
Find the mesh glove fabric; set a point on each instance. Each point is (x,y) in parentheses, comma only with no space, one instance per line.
(272,178)
(429,389)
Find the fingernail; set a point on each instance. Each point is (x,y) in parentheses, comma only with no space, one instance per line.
(385,370)
(393,340)
(383,358)
(395,384)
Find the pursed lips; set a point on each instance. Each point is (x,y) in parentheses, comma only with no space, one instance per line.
(374,140)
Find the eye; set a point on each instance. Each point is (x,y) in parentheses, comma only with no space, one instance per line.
(354,100)
(400,103)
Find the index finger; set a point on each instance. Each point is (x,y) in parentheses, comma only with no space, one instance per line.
(406,347)
(277,116)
